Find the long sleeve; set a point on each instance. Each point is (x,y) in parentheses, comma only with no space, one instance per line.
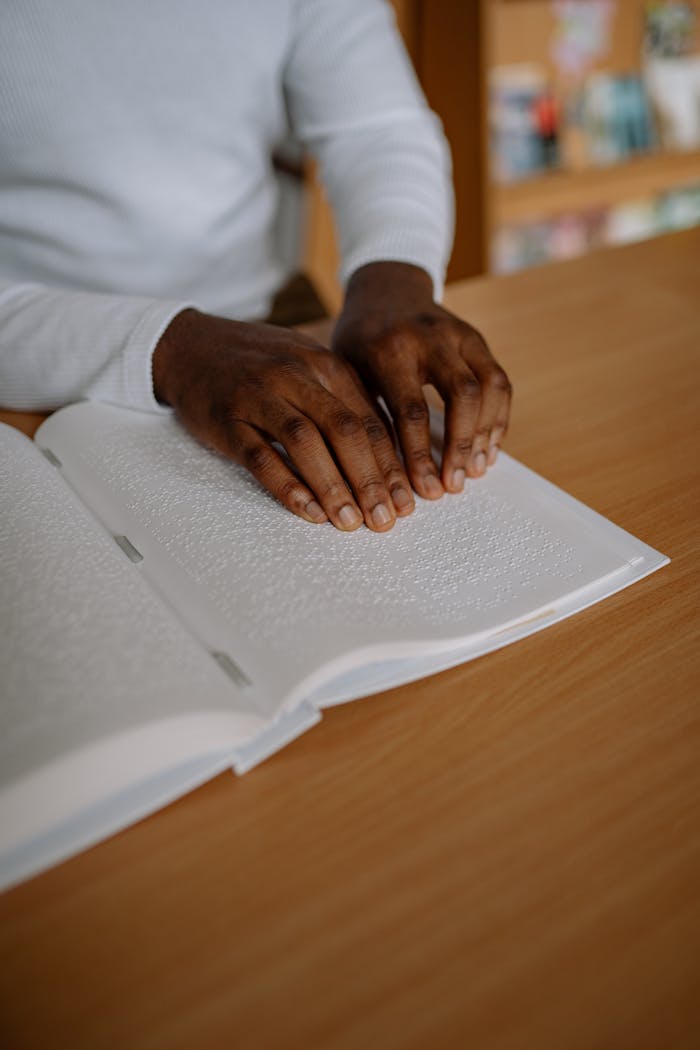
(134,181)
(58,346)
(355,103)
(139,183)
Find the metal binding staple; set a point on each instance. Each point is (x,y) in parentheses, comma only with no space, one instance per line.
(127,546)
(235,673)
(53,459)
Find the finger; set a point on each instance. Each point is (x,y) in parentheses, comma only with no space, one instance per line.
(408,407)
(461,392)
(305,445)
(248,447)
(380,433)
(347,439)
(494,408)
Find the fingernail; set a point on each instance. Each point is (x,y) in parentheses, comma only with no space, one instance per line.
(348,516)
(432,486)
(479,463)
(401,497)
(315,511)
(380,515)
(458,477)
(496,436)
(493,454)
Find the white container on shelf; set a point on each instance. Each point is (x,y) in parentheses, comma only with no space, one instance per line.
(674,89)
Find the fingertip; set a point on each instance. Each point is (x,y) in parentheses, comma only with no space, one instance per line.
(380,518)
(430,487)
(315,513)
(454,479)
(403,500)
(477,465)
(349,518)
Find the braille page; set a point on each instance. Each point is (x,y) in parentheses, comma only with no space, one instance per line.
(295,604)
(101,687)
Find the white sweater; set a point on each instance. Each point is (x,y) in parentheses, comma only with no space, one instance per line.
(135,175)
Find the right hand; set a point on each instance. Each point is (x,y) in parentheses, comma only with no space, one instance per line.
(240,387)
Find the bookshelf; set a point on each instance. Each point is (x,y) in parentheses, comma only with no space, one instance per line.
(556,193)
(455,45)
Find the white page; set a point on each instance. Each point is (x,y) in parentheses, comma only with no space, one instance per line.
(289,600)
(101,688)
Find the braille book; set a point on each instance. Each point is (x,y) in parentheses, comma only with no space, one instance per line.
(164,619)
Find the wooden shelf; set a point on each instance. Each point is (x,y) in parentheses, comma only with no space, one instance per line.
(557,193)
(453,45)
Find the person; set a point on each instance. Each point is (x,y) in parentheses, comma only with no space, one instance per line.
(137,204)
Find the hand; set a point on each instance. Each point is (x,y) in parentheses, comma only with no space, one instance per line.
(399,340)
(240,387)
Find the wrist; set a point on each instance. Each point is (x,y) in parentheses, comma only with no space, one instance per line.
(384,284)
(166,353)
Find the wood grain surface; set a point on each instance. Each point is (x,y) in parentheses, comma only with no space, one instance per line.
(506,855)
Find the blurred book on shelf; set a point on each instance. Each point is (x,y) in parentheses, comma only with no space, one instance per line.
(524,122)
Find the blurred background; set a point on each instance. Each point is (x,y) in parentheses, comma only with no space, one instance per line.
(574,125)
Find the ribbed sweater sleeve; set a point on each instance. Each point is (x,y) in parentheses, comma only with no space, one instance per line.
(58,346)
(355,103)
(111,185)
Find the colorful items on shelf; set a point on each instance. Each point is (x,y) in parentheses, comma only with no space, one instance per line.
(669,28)
(523,121)
(517,247)
(605,119)
(673,86)
(616,119)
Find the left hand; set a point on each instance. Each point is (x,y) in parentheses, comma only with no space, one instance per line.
(399,339)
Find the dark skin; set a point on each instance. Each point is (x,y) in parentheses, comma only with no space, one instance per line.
(239,387)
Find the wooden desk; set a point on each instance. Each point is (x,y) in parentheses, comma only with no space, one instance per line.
(503,856)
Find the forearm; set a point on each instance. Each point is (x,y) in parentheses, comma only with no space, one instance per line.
(356,105)
(392,197)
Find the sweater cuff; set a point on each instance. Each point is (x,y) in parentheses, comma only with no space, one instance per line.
(138,355)
(398,246)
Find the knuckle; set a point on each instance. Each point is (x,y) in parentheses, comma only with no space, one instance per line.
(414,411)
(297,430)
(287,370)
(499,380)
(428,320)
(374,428)
(465,388)
(481,437)
(258,458)
(289,492)
(463,446)
(333,491)
(368,485)
(346,424)
(394,476)
(420,457)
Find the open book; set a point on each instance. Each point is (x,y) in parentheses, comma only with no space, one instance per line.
(165,619)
